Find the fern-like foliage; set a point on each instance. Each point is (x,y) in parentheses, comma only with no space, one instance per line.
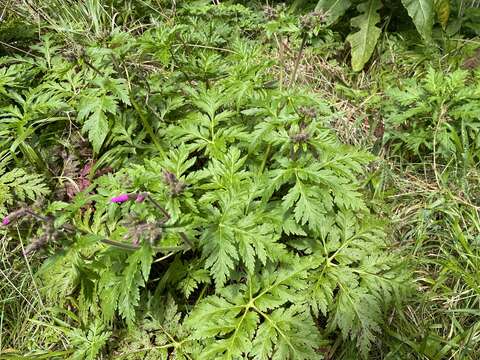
(237,202)
(89,343)
(17,184)
(281,230)
(354,277)
(160,333)
(438,111)
(97,104)
(264,318)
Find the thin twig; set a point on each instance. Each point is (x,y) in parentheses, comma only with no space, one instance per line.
(206,47)
(16,48)
(297,59)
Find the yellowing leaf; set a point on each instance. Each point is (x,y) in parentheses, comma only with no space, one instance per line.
(442,8)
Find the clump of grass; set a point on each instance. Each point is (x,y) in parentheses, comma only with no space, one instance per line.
(440,230)
(21,304)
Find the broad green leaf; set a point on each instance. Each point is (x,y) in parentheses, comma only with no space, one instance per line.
(421,12)
(363,41)
(333,9)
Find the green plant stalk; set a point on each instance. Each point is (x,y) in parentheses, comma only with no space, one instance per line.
(34,158)
(265,159)
(139,111)
(282,60)
(147,126)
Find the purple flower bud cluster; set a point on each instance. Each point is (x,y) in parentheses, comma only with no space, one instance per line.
(120,199)
(176,186)
(15,215)
(138,197)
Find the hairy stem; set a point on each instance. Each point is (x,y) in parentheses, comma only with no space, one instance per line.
(297,60)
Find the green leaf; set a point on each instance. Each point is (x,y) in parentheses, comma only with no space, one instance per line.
(309,207)
(109,293)
(333,9)
(231,237)
(257,319)
(363,41)
(353,318)
(421,12)
(97,128)
(88,344)
(134,276)
(286,334)
(17,184)
(93,111)
(158,324)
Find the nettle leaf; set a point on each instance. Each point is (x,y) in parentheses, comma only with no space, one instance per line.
(248,320)
(93,112)
(333,9)
(363,41)
(422,14)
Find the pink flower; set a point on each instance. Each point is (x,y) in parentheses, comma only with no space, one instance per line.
(140,198)
(5,221)
(120,199)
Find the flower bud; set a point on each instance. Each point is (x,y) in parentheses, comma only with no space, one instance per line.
(120,199)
